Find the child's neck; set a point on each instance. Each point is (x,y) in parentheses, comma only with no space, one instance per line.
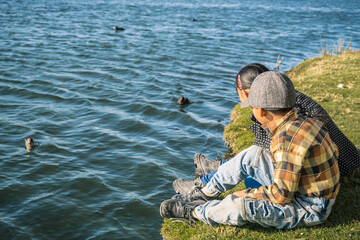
(271,117)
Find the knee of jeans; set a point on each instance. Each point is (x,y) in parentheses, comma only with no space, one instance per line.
(250,157)
(228,211)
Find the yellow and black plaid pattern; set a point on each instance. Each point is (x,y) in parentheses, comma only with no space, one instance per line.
(305,160)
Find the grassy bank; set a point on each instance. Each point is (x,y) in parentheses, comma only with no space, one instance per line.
(318,78)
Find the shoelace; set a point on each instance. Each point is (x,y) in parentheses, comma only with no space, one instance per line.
(195,195)
(198,183)
(200,193)
(192,193)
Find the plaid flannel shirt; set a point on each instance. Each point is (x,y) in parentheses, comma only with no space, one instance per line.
(305,160)
(349,158)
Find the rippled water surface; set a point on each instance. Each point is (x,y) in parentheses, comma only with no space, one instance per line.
(102,104)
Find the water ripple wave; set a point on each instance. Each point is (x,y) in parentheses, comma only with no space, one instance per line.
(102,104)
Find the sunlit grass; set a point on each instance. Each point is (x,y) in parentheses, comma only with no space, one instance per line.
(319,78)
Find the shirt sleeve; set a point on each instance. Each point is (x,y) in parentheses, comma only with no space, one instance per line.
(286,179)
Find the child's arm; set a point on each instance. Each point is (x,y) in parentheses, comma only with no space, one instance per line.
(286,179)
(240,193)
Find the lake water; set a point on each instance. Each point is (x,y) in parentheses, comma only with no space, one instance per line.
(102,104)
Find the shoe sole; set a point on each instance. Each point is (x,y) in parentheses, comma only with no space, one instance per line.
(176,187)
(197,164)
(202,169)
(162,206)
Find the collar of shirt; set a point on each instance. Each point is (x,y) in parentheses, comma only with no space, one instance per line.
(272,127)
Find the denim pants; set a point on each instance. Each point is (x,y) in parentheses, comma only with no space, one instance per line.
(249,181)
(257,163)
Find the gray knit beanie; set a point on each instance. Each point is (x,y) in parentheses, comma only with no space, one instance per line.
(271,90)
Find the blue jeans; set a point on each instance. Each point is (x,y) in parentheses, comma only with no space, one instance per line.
(207,177)
(249,181)
(257,163)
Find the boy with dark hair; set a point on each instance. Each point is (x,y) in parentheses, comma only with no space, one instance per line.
(299,177)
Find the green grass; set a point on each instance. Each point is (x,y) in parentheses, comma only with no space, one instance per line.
(238,135)
(318,78)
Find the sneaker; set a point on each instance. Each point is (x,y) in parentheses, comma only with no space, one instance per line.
(204,166)
(184,187)
(196,196)
(178,211)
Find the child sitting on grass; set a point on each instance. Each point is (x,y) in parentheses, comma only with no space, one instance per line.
(299,177)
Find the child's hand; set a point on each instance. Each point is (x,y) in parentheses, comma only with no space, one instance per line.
(240,193)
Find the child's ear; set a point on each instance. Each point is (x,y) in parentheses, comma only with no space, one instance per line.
(246,93)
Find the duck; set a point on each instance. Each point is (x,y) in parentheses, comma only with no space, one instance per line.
(116,28)
(30,145)
(183,101)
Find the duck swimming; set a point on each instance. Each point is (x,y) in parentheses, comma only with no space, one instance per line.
(30,145)
(116,28)
(183,101)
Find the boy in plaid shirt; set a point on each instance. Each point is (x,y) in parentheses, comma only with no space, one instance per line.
(299,177)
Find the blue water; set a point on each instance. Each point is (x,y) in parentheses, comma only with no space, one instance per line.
(102,104)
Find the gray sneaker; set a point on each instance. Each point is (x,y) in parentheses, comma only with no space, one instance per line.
(196,196)
(204,166)
(184,187)
(178,210)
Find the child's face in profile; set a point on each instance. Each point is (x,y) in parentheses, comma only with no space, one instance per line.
(243,94)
